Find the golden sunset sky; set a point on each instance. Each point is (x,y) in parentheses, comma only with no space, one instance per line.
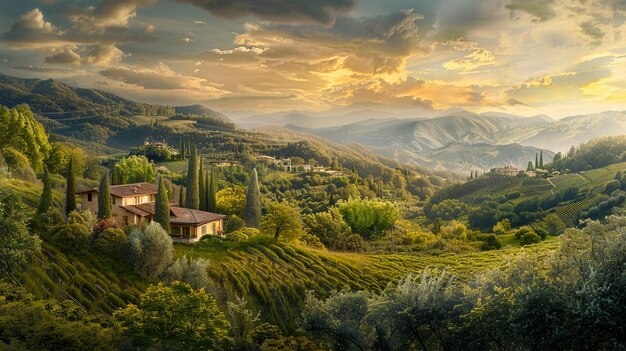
(555,57)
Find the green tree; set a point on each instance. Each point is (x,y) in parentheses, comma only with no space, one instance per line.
(537,161)
(181,196)
(502,226)
(151,250)
(491,243)
(176,316)
(211,194)
(190,271)
(370,218)
(231,201)
(252,211)
(45,201)
(541,159)
(162,206)
(17,244)
(70,189)
(529,238)
(328,226)
(530,166)
(104,198)
(133,169)
(553,224)
(202,187)
(192,196)
(282,219)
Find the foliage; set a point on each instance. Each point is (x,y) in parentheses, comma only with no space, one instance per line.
(104,198)
(20,130)
(133,169)
(150,250)
(110,241)
(242,322)
(162,206)
(45,201)
(192,196)
(237,236)
(252,211)
(233,223)
(70,189)
(502,226)
(311,240)
(553,224)
(454,230)
(211,194)
(529,238)
(17,244)
(281,219)
(175,317)
(328,226)
(190,271)
(231,201)
(370,218)
(491,243)
(71,235)
(448,209)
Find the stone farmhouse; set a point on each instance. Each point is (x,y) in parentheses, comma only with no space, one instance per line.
(134,204)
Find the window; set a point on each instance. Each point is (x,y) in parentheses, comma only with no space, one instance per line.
(204,229)
(113,198)
(186,231)
(89,197)
(214,229)
(125,219)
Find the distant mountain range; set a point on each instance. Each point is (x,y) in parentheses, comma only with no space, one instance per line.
(454,141)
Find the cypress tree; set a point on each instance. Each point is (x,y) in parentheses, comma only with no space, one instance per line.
(536,161)
(530,166)
(471,174)
(211,196)
(192,196)
(202,187)
(541,159)
(181,197)
(45,201)
(70,189)
(104,198)
(162,206)
(252,211)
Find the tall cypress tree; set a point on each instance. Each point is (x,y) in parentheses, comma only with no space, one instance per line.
(211,195)
(202,187)
(104,198)
(530,166)
(193,195)
(181,197)
(252,211)
(70,189)
(45,201)
(541,159)
(162,206)
(536,161)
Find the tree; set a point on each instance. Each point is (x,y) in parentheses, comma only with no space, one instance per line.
(529,238)
(176,316)
(133,169)
(45,200)
(150,250)
(537,161)
(282,219)
(553,224)
(370,218)
(530,166)
(17,244)
(328,226)
(104,198)
(211,195)
(231,201)
(242,322)
(181,196)
(162,206)
(541,159)
(252,211)
(192,196)
(202,187)
(502,227)
(190,271)
(70,190)
(491,243)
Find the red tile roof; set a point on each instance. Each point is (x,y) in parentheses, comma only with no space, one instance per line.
(178,215)
(126,190)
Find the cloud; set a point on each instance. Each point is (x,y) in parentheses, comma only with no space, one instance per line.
(160,77)
(32,30)
(64,57)
(188,40)
(285,11)
(590,28)
(541,10)
(111,13)
(104,55)
(45,69)
(476,60)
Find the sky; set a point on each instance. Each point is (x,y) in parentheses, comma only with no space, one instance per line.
(528,57)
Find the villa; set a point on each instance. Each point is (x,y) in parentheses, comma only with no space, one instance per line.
(134,204)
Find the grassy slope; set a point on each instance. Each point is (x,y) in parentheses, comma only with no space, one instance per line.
(275,276)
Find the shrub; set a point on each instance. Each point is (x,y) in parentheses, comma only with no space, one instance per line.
(150,250)
(110,241)
(237,236)
(522,231)
(192,272)
(311,240)
(103,225)
(353,242)
(454,230)
(502,227)
(72,235)
(491,243)
(233,223)
(529,238)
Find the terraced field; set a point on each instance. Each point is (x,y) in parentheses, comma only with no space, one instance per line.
(569,213)
(275,276)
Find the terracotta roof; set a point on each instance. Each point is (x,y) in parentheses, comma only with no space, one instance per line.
(178,215)
(126,190)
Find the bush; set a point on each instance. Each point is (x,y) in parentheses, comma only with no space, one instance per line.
(529,238)
(237,236)
(150,250)
(502,227)
(110,241)
(192,272)
(491,243)
(72,235)
(233,223)
(311,240)
(353,242)
(103,225)
(522,231)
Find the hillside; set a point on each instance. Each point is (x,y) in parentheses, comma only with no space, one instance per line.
(275,276)
(462,158)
